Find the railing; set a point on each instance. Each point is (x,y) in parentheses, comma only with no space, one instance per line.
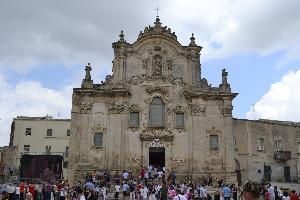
(282,179)
(282,156)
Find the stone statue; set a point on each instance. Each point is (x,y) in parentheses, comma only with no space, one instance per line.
(224,76)
(157,65)
(88,69)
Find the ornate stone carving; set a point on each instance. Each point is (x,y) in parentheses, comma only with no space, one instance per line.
(157,65)
(177,162)
(116,107)
(156,133)
(86,108)
(157,29)
(145,63)
(134,160)
(156,143)
(98,129)
(227,110)
(161,90)
(197,109)
(136,80)
(213,131)
(134,108)
(97,149)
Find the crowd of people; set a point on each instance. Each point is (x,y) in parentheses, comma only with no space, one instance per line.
(152,184)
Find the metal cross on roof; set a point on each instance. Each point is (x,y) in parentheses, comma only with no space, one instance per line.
(157,9)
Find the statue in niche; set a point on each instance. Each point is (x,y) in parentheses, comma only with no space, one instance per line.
(157,65)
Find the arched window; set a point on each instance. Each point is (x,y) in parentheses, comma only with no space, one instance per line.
(157,113)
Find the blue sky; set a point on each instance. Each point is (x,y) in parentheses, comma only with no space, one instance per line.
(45,46)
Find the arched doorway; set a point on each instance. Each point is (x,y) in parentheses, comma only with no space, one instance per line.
(238,172)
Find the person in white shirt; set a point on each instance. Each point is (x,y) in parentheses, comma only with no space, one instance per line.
(179,195)
(17,191)
(125,175)
(285,196)
(125,190)
(103,191)
(202,193)
(117,187)
(144,192)
(272,192)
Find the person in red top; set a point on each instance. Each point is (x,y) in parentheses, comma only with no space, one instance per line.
(22,190)
(267,195)
(142,173)
(32,190)
(294,196)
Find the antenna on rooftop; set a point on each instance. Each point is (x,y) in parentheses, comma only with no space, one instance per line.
(253,111)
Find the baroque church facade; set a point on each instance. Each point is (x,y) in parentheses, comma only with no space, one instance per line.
(157,109)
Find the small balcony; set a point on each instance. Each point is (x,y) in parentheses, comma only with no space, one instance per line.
(282,156)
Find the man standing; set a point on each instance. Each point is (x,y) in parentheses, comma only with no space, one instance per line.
(202,192)
(272,192)
(226,192)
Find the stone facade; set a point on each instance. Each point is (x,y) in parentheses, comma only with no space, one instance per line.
(156,66)
(267,150)
(8,166)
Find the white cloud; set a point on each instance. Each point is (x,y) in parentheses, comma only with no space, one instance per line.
(281,102)
(34,33)
(30,98)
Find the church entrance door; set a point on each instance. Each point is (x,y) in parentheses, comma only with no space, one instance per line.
(157,156)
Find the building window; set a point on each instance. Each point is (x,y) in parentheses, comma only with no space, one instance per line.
(26,148)
(214,142)
(98,139)
(234,143)
(179,120)
(261,145)
(28,131)
(49,132)
(278,145)
(298,147)
(67,152)
(68,132)
(48,150)
(134,119)
(157,113)
(65,164)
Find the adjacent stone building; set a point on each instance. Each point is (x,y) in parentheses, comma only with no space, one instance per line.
(267,150)
(40,136)
(8,166)
(155,108)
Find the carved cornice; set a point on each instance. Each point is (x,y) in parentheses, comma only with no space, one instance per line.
(156,133)
(197,109)
(116,107)
(86,107)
